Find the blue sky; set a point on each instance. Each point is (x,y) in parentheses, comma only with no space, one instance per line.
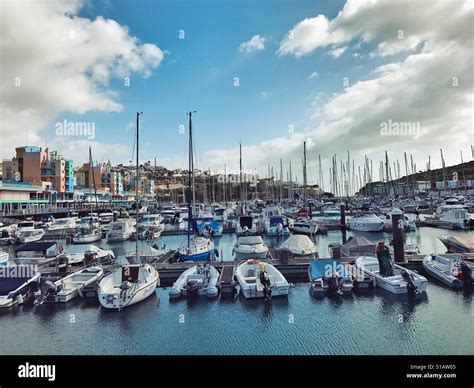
(376,62)
(198,73)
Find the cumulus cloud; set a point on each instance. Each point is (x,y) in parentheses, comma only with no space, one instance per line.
(256,43)
(54,61)
(314,74)
(431,86)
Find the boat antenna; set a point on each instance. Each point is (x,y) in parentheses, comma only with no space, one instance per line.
(136,189)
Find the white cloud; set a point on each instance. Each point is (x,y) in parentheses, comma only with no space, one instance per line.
(432,85)
(314,74)
(265,94)
(54,62)
(336,53)
(255,43)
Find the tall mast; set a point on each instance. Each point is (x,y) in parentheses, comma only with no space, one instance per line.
(305,182)
(281,181)
(290,192)
(91,165)
(463,174)
(136,188)
(241,183)
(191,179)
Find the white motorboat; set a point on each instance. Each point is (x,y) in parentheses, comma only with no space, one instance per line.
(200,279)
(366,223)
(106,217)
(87,236)
(299,245)
(448,270)
(69,287)
(151,222)
(28,236)
(89,222)
(127,285)
(408,225)
(120,231)
(246,225)
(250,247)
(449,216)
(329,217)
(62,225)
(305,226)
(17,284)
(78,254)
(402,281)
(25,226)
(249,275)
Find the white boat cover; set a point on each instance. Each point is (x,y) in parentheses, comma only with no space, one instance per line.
(358,246)
(298,243)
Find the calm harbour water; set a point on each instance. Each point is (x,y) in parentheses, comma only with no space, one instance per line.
(371,323)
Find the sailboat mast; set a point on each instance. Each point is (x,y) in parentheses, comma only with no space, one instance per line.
(136,188)
(304,172)
(91,165)
(190,179)
(241,183)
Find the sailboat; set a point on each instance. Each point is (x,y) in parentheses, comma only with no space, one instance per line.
(131,283)
(90,231)
(197,248)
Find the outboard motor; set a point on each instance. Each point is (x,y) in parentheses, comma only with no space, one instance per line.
(332,284)
(411,286)
(91,257)
(192,288)
(47,290)
(466,275)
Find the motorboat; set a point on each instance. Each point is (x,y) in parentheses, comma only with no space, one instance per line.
(62,225)
(366,223)
(151,222)
(450,216)
(25,226)
(220,214)
(329,276)
(459,243)
(17,284)
(246,225)
(127,285)
(299,245)
(249,276)
(87,236)
(277,226)
(120,231)
(198,249)
(210,228)
(250,247)
(408,225)
(36,253)
(305,226)
(106,217)
(448,270)
(88,254)
(402,281)
(28,236)
(69,287)
(200,279)
(328,218)
(89,222)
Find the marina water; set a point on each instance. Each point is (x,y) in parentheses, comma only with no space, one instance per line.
(372,322)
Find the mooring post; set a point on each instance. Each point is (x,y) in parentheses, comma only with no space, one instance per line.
(343,223)
(397,233)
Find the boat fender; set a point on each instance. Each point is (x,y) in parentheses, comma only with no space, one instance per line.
(19,299)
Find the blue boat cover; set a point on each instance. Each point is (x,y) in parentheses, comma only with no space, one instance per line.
(325,267)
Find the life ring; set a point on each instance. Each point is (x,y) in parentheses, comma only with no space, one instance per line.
(253,261)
